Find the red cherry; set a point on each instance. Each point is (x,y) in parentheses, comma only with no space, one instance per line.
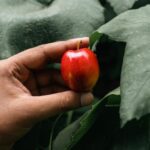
(80,69)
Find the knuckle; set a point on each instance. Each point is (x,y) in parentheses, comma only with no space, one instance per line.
(69,101)
(66,102)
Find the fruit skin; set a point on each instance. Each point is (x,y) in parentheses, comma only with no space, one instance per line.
(80,69)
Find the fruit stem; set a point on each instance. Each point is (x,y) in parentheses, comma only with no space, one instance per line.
(79,44)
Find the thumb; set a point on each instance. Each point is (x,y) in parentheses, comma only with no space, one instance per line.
(42,107)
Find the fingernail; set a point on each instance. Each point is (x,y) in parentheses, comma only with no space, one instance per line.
(86,99)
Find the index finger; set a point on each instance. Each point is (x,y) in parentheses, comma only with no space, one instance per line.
(37,57)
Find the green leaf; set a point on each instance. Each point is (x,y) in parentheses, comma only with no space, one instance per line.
(68,137)
(120,6)
(93,38)
(132,27)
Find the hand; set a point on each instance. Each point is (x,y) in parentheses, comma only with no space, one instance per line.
(30,92)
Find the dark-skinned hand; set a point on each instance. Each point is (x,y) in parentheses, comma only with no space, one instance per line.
(30,92)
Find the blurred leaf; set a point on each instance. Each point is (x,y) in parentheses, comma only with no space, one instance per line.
(68,137)
(25,24)
(120,6)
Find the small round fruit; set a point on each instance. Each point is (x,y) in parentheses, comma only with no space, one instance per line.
(80,69)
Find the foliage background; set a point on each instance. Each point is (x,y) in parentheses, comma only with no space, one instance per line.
(119,32)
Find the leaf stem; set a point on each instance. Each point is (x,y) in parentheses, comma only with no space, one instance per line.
(52,131)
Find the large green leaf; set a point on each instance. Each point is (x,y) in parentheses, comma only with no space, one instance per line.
(132,27)
(25,24)
(68,137)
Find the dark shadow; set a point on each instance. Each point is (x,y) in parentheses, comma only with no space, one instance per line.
(109,12)
(106,133)
(45,2)
(39,136)
(140,3)
(110,55)
(100,136)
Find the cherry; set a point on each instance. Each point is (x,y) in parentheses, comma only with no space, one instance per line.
(80,69)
